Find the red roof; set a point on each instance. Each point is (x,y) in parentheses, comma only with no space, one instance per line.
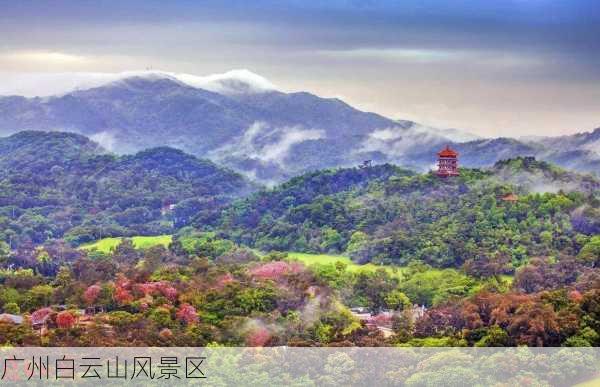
(448,152)
(511,197)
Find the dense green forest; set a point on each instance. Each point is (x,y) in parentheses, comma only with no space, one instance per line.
(500,257)
(386,215)
(62,185)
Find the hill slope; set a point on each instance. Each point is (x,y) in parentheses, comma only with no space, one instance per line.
(393,216)
(55,184)
(267,134)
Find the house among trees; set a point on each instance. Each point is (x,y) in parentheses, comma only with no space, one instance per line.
(447,162)
(11,318)
(93,310)
(366,164)
(167,208)
(511,197)
(41,319)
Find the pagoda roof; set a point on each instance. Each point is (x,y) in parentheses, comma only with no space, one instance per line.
(447,152)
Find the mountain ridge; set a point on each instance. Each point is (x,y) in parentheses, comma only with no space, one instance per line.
(63,185)
(266,134)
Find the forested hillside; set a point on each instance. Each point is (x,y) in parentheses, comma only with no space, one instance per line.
(55,185)
(386,215)
(264,133)
(499,257)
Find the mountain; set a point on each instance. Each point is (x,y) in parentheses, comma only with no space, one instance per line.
(242,121)
(57,184)
(384,214)
(533,175)
(579,151)
(32,151)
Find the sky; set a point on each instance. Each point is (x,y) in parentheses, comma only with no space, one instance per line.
(495,68)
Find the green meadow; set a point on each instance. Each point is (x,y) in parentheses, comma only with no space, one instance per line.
(106,245)
(324,259)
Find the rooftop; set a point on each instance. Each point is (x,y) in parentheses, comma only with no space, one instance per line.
(448,152)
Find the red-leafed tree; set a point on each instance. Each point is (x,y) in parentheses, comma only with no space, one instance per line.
(162,287)
(275,270)
(168,291)
(224,280)
(258,337)
(65,319)
(122,295)
(91,294)
(187,314)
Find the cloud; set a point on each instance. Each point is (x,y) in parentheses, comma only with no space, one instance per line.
(268,144)
(231,82)
(46,57)
(474,56)
(538,181)
(396,141)
(289,137)
(593,146)
(396,54)
(48,84)
(105,139)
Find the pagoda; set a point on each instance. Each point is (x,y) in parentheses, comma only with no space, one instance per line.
(447,162)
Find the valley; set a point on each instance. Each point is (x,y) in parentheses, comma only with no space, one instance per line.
(163,248)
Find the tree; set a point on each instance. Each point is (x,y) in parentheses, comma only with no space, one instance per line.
(397,300)
(357,241)
(375,288)
(258,336)
(42,256)
(12,308)
(65,319)
(122,295)
(590,252)
(187,314)
(40,295)
(494,337)
(529,279)
(161,316)
(4,252)
(91,294)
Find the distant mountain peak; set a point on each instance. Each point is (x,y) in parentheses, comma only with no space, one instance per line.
(237,81)
(540,176)
(240,81)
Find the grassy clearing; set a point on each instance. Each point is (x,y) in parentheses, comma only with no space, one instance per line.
(591,383)
(324,259)
(107,245)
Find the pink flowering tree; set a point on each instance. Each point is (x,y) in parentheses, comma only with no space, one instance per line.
(258,337)
(155,288)
(187,314)
(224,280)
(91,294)
(275,270)
(168,291)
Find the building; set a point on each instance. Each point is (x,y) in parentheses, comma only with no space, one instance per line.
(447,162)
(11,318)
(366,164)
(42,319)
(418,311)
(511,197)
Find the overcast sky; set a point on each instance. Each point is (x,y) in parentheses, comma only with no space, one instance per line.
(496,68)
